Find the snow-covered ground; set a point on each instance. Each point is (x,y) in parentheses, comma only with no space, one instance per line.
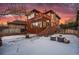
(19,45)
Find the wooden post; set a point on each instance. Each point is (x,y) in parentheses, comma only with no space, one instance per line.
(0,41)
(27,35)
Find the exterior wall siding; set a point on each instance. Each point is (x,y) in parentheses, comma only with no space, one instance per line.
(11,31)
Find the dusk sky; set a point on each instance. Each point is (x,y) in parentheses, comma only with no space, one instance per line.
(64,10)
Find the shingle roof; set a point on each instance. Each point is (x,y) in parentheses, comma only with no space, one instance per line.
(18,22)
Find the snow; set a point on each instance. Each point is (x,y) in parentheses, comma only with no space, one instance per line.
(19,45)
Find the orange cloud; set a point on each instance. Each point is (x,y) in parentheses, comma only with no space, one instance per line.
(64,19)
(6,19)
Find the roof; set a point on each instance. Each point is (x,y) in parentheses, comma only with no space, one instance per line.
(34,10)
(51,11)
(18,22)
(42,14)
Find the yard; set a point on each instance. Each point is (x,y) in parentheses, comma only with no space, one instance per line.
(19,45)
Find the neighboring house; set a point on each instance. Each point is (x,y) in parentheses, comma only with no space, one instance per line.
(16,26)
(77,20)
(38,21)
(2,28)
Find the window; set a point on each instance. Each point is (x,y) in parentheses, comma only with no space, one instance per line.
(44,24)
(40,24)
(52,16)
(48,21)
(37,24)
(31,16)
(49,14)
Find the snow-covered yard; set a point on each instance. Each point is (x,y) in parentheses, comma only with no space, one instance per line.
(19,45)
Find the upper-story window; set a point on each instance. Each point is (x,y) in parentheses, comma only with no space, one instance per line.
(49,14)
(31,15)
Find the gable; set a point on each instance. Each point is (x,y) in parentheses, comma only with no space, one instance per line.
(51,13)
(33,13)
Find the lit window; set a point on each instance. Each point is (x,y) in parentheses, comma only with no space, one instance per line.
(44,24)
(31,16)
(35,24)
(47,20)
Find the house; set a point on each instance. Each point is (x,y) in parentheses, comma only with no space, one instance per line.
(38,21)
(77,20)
(16,26)
(3,28)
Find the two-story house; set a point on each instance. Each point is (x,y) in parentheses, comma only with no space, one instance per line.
(38,21)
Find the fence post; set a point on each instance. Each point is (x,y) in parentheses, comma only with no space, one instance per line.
(0,41)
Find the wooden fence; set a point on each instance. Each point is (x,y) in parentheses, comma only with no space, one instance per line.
(69,31)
